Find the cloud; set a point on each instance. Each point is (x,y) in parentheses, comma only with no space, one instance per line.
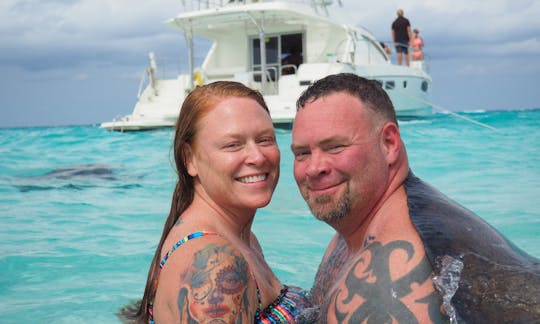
(47,34)
(461,27)
(41,34)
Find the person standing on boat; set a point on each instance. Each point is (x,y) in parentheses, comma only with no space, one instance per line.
(417,44)
(403,252)
(385,48)
(401,35)
(208,266)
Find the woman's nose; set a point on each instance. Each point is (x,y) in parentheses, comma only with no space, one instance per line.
(254,154)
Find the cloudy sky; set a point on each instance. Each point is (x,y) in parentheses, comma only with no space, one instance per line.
(70,62)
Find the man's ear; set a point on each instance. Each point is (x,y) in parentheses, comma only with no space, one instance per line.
(189,161)
(391,141)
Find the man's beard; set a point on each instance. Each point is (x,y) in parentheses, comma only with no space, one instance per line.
(339,210)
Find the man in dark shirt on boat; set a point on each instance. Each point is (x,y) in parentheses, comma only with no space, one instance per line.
(401,35)
(402,249)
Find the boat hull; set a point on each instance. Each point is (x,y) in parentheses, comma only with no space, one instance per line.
(408,103)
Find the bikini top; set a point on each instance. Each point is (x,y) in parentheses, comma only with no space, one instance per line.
(284,309)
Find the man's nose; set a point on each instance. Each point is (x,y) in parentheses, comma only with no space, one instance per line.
(317,164)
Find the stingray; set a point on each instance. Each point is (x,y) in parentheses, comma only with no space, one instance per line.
(98,171)
(481,275)
(73,177)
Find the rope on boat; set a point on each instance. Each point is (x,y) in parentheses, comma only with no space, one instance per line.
(442,109)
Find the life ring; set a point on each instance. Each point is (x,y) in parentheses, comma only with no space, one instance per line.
(199,77)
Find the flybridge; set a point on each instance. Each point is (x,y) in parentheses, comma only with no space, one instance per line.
(210,4)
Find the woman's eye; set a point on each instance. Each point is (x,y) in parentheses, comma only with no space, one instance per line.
(231,146)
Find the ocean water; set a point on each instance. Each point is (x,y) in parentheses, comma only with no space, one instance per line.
(81,208)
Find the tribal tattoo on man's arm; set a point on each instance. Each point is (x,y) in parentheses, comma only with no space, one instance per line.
(371,295)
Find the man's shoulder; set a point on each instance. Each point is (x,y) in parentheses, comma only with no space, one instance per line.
(395,273)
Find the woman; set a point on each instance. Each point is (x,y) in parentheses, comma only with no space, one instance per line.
(417,44)
(209,266)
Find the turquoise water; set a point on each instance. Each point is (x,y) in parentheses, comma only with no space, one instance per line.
(76,248)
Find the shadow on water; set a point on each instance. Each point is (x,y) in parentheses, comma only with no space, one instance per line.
(75,177)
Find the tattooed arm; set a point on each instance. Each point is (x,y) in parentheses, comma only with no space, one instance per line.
(210,283)
(331,264)
(386,283)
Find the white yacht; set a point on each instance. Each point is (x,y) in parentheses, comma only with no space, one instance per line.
(302,41)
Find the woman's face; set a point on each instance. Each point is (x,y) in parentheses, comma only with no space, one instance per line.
(234,157)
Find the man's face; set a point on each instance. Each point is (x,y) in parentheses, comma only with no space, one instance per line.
(340,165)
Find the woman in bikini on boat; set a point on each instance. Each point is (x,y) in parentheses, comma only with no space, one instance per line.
(209,266)
(417,44)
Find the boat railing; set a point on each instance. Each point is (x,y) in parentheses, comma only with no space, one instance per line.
(168,68)
(271,82)
(144,81)
(288,69)
(193,5)
(424,63)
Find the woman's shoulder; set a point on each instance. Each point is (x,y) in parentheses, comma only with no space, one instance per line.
(185,250)
(204,277)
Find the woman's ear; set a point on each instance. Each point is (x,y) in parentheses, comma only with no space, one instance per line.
(189,160)
(391,141)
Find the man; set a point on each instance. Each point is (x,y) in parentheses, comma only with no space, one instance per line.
(401,248)
(401,34)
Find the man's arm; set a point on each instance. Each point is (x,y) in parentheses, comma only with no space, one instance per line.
(329,269)
(385,283)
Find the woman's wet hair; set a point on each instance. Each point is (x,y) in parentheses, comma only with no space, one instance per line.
(197,104)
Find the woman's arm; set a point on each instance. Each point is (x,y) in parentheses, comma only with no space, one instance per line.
(207,279)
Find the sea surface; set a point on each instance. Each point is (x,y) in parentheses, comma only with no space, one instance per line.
(82,208)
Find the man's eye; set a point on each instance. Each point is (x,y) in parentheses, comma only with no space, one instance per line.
(300,155)
(336,148)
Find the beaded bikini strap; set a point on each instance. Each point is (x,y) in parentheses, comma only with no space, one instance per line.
(182,241)
(277,312)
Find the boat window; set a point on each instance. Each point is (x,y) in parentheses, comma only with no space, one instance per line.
(379,82)
(405,84)
(424,86)
(390,85)
(284,53)
(272,55)
(291,53)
